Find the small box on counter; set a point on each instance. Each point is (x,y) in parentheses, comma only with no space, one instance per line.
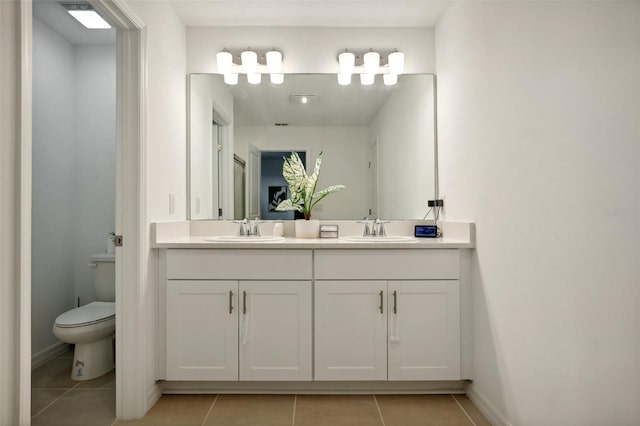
(328,231)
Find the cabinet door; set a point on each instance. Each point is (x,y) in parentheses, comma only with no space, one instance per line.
(350,330)
(275,330)
(424,330)
(202,330)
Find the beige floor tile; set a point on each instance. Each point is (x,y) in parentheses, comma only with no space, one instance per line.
(40,398)
(182,410)
(421,410)
(252,410)
(54,374)
(106,381)
(472,410)
(80,407)
(336,410)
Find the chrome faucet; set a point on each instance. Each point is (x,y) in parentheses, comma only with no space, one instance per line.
(368,231)
(379,228)
(254,230)
(244,227)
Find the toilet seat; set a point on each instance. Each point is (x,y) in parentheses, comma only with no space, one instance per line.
(89,314)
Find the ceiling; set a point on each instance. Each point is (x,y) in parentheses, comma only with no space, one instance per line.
(311,13)
(56,17)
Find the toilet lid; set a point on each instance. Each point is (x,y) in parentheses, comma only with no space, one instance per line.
(91,313)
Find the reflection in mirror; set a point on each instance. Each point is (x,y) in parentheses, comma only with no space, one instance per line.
(377,140)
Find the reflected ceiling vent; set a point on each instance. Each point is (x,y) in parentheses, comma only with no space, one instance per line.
(303,99)
(86,15)
(280,124)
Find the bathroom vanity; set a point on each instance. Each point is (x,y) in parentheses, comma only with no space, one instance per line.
(312,315)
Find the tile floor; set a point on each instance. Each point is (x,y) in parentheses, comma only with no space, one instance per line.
(59,401)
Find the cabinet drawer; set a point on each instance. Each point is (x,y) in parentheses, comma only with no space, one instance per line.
(443,264)
(203,264)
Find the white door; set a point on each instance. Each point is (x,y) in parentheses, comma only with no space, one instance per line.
(424,330)
(253,190)
(350,330)
(202,330)
(275,330)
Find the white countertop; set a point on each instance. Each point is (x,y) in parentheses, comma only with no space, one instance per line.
(191,235)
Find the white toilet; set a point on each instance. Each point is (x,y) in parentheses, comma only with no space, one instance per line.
(91,327)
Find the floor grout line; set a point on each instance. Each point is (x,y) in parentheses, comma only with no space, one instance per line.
(295,401)
(463,410)
(379,411)
(54,401)
(210,409)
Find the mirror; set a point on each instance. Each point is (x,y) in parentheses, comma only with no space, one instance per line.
(377,140)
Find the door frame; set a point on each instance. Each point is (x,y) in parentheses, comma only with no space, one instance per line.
(134,395)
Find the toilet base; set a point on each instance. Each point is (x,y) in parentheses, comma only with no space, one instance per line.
(91,360)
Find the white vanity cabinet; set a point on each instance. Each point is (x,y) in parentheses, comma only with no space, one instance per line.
(238,315)
(405,327)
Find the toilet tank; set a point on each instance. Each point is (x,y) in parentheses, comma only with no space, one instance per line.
(104,276)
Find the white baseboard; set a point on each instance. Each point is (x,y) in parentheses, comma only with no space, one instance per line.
(492,414)
(47,354)
(153,395)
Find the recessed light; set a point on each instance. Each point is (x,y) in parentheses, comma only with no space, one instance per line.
(85,14)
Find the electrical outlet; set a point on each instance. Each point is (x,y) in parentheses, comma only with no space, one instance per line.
(172,203)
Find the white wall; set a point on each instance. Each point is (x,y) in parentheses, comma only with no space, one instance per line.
(95,159)
(539,144)
(165,157)
(405,150)
(310,49)
(345,159)
(53,182)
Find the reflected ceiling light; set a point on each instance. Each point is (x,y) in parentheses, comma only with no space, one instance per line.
(277,78)
(369,67)
(250,66)
(303,99)
(367,79)
(254,78)
(344,79)
(231,79)
(86,15)
(389,79)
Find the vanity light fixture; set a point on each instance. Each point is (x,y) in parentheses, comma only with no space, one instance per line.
(250,65)
(369,67)
(86,15)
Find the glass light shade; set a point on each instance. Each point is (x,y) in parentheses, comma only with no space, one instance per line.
(90,19)
(347,61)
(344,79)
(396,63)
(277,78)
(249,61)
(231,79)
(225,61)
(367,79)
(254,78)
(274,61)
(371,62)
(390,79)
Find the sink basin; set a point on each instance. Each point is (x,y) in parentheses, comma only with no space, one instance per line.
(243,239)
(387,239)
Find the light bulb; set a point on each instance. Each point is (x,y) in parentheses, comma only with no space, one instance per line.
(371,62)
(225,60)
(367,79)
(249,61)
(277,78)
(231,79)
(347,61)
(274,61)
(390,79)
(396,63)
(344,79)
(254,78)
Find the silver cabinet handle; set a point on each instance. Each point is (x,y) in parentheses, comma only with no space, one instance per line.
(381,302)
(244,302)
(93,265)
(395,302)
(230,301)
